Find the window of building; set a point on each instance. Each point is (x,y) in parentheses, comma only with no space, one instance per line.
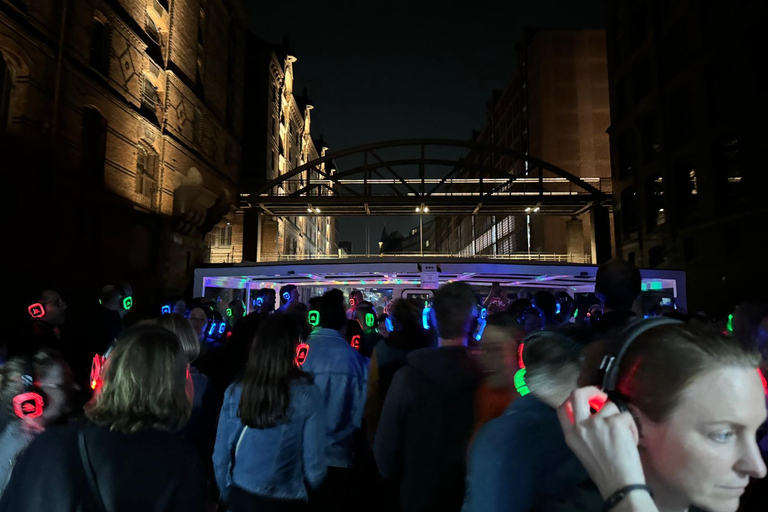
(681,114)
(656,256)
(687,185)
(152,30)
(93,145)
(146,171)
(149,96)
(224,236)
(6,84)
(99,57)
(650,131)
(627,153)
(160,6)
(629,211)
(728,168)
(654,202)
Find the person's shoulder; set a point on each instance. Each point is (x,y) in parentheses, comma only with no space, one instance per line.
(56,435)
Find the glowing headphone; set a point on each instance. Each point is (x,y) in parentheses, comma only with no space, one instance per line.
(165,310)
(612,364)
(259,301)
(558,307)
(520,385)
(482,321)
(370,320)
(313,317)
(287,296)
(36,310)
(426,315)
(222,327)
(352,301)
(389,324)
(29,403)
(302,351)
(229,312)
(355,343)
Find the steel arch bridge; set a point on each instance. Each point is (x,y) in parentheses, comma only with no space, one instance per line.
(440,177)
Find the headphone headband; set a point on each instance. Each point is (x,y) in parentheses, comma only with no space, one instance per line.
(630,333)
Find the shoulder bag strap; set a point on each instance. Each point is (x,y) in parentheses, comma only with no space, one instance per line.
(86,461)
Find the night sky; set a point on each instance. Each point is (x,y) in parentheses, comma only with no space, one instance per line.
(388,70)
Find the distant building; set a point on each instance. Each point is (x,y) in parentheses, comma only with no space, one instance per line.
(554,108)
(278,131)
(129,132)
(688,109)
(394,242)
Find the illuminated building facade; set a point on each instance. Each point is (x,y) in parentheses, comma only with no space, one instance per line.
(279,139)
(556,109)
(687,135)
(128,118)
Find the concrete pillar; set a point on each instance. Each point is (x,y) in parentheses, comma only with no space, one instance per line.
(574,229)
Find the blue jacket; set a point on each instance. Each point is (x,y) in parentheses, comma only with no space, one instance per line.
(341,374)
(519,462)
(279,462)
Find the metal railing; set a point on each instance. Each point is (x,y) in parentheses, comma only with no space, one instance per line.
(520,256)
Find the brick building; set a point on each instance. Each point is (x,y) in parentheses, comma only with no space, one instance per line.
(127,118)
(279,134)
(687,134)
(554,108)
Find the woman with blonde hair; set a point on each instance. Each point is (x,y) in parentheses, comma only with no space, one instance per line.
(127,455)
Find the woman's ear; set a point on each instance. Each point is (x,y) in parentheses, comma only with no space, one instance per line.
(644,426)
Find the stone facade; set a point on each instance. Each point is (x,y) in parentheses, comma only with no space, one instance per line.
(279,135)
(140,106)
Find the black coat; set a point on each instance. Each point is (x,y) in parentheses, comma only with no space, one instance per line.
(148,471)
(425,426)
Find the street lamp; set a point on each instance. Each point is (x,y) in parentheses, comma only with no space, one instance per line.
(528,211)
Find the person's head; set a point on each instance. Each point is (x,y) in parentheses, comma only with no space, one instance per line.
(288,293)
(267,296)
(178,325)
(235,310)
(365,314)
(179,307)
(698,401)
(565,306)
(47,305)
(117,297)
(332,314)
(546,303)
(144,383)
(617,285)
(456,310)
(552,363)
(199,318)
(52,380)
(355,297)
(271,367)
(498,357)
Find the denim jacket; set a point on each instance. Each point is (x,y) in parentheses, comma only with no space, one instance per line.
(341,374)
(279,462)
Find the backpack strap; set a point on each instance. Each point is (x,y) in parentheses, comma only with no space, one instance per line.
(86,461)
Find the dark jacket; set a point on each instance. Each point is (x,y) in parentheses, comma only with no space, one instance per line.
(519,462)
(149,471)
(37,336)
(421,442)
(200,429)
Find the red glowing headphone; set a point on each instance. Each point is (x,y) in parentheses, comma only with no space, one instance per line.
(612,364)
(36,310)
(29,403)
(302,351)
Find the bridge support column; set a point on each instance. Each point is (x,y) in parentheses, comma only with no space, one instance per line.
(601,225)
(251,234)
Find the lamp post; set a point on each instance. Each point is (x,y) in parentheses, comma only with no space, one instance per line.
(421,210)
(528,226)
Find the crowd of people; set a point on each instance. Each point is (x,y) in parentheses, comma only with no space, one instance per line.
(460,404)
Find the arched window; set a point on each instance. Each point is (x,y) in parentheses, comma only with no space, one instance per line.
(99,58)
(93,144)
(6,84)
(146,171)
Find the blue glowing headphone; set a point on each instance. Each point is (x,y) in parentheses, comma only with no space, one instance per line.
(165,310)
(482,321)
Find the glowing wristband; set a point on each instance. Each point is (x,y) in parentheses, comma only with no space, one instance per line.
(615,498)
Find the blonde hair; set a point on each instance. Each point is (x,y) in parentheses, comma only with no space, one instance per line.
(144,383)
(179,326)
